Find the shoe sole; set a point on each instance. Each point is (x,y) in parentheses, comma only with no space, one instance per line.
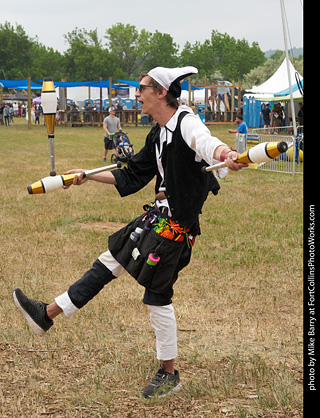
(34,326)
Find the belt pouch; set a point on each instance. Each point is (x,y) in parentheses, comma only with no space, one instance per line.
(121,246)
(158,277)
(133,256)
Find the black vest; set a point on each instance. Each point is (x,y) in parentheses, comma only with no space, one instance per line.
(187,187)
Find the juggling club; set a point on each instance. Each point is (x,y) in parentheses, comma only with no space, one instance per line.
(51,183)
(49,106)
(261,153)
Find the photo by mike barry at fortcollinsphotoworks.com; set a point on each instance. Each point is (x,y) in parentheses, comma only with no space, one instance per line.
(310,315)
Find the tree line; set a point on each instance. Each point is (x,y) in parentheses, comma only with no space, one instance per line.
(123,53)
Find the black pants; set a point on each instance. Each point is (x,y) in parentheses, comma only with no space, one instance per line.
(82,291)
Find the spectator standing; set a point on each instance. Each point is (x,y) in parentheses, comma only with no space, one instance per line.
(301,113)
(37,115)
(11,114)
(266,116)
(277,115)
(1,113)
(242,128)
(6,115)
(111,125)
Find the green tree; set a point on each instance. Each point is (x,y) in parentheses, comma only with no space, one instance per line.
(47,62)
(161,51)
(15,52)
(139,51)
(222,53)
(234,58)
(23,57)
(200,56)
(124,42)
(86,59)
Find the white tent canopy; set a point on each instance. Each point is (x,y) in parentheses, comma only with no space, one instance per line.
(277,82)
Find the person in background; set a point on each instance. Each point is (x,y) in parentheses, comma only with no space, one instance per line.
(242,126)
(1,113)
(111,125)
(301,113)
(266,116)
(36,115)
(11,114)
(277,116)
(6,115)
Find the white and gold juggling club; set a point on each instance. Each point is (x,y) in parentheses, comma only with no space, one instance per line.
(49,106)
(261,153)
(51,183)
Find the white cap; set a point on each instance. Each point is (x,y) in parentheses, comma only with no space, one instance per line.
(170,78)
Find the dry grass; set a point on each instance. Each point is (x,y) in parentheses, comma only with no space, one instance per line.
(238,304)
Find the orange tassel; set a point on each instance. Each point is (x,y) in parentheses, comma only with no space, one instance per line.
(167,234)
(176,227)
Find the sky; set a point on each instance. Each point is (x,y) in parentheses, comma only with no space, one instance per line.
(187,20)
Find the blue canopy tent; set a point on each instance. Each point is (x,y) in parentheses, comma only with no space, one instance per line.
(37,84)
(132,83)
(185,86)
(97,83)
(20,84)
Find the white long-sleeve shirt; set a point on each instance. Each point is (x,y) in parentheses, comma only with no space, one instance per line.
(196,135)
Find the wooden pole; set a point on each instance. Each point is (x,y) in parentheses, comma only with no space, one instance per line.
(206,100)
(110,91)
(29,103)
(100,114)
(239,96)
(232,101)
(213,98)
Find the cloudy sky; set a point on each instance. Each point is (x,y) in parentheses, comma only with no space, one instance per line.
(188,20)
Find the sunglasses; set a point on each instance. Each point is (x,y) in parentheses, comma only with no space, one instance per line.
(141,87)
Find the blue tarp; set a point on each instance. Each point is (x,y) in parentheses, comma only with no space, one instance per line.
(37,84)
(184,86)
(129,82)
(96,83)
(20,84)
(23,84)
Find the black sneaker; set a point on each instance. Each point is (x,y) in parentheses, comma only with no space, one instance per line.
(163,384)
(34,312)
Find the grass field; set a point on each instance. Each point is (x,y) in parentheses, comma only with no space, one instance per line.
(238,304)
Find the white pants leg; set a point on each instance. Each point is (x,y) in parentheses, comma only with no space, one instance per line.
(163,321)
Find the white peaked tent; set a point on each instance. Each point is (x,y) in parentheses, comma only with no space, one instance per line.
(268,92)
(277,82)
